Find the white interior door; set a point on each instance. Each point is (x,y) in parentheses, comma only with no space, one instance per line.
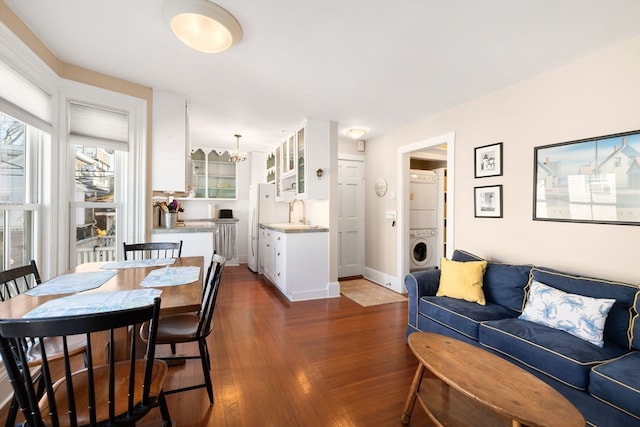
(350,218)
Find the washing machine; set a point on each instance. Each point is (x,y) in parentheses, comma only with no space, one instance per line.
(423,249)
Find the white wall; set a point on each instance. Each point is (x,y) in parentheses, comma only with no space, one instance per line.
(594,96)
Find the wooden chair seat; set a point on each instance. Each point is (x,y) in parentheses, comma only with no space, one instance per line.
(173,329)
(101,379)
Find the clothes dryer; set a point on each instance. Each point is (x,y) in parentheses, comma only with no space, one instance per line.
(423,199)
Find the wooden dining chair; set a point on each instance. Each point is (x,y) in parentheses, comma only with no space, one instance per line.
(119,392)
(192,327)
(16,281)
(150,250)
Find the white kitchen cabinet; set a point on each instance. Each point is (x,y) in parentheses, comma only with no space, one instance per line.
(214,176)
(280,262)
(170,146)
(300,263)
(267,253)
(198,243)
(304,160)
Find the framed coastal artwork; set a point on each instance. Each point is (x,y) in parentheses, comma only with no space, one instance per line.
(488,160)
(487,201)
(594,180)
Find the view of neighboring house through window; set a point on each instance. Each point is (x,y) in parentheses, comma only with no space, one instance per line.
(19,178)
(95,214)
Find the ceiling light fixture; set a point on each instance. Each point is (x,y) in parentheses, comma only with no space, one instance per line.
(237,156)
(202,25)
(355,133)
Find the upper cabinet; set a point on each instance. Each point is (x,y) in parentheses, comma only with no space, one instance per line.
(170,142)
(301,160)
(213,175)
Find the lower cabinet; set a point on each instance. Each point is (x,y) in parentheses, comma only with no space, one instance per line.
(297,263)
(266,253)
(193,244)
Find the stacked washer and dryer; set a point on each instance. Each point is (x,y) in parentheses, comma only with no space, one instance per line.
(423,219)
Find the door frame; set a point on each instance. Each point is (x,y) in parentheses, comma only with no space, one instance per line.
(361,237)
(402,206)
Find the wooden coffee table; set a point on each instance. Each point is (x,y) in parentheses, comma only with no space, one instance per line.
(464,385)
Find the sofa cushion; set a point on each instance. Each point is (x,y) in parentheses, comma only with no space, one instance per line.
(634,330)
(462,280)
(619,318)
(462,316)
(551,351)
(583,317)
(617,382)
(503,284)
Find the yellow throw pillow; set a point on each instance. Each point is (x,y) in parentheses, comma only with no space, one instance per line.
(462,280)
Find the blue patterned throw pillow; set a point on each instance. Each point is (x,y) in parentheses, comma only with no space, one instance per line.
(578,315)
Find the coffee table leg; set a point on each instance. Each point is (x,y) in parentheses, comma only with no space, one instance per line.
(413,392)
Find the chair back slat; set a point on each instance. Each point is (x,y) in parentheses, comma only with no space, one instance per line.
(151,250)
(91,395)
(210,295)
(18,280)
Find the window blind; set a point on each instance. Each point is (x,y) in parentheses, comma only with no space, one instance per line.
(23,99)
(93,125)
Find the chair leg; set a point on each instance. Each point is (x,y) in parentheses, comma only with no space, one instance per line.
(173,348)
(206,355)
(164,410)
(202,343)
(12,413)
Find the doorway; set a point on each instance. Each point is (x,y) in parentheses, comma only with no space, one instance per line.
(404,154)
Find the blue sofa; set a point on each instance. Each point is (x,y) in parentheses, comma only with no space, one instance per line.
(602,382)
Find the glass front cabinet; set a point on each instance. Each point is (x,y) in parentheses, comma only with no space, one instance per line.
(300,161)
(213,175)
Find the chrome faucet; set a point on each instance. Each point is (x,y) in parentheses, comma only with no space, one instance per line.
(291,207)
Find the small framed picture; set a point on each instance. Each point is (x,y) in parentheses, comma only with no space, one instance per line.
(488,201)
(488,160)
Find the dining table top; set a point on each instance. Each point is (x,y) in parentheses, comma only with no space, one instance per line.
(182,298)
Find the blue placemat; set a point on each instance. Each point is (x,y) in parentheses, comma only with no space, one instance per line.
(138,263)
(171,276)
(99,302)
(72,283)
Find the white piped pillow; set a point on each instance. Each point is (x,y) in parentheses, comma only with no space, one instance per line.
(578,315)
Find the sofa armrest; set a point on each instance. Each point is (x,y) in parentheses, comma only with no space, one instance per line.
(419,284)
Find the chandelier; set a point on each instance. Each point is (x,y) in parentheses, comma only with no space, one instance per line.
(236,156)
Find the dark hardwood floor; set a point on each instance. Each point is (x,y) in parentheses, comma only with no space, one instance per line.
(327,362)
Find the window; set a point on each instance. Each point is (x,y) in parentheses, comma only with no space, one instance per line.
(99,140)
(19,186)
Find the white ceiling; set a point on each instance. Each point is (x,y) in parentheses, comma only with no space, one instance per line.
(375,64)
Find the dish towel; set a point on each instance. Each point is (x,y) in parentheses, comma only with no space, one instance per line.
(226,240)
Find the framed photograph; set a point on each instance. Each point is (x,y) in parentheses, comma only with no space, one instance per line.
(488,160)
(593,180)
(488,201)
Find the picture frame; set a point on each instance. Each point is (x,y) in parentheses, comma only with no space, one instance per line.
(593,180)
(488,160)
(487,201)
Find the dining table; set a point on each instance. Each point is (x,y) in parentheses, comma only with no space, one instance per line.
(175,299)
(97,283)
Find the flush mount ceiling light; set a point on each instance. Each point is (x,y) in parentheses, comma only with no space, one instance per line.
(202,25)
(355,133)
(237,156)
